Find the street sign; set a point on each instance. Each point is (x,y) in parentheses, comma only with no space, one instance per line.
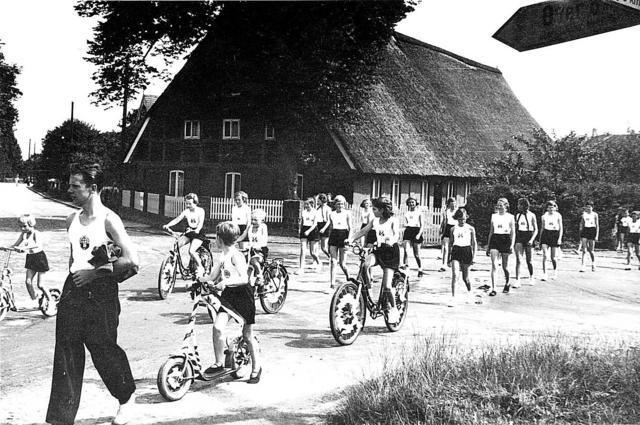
(552,22)
(630,3)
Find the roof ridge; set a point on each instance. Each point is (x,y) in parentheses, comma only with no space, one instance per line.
(468,61)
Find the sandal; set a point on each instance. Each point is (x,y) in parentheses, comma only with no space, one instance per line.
(492,293)
(255,378)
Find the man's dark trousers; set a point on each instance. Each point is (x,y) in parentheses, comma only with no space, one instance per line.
(87,316)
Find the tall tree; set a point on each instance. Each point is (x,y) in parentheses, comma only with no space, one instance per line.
(10,153)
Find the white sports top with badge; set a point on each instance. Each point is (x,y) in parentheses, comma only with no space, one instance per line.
(589,219)
(634,226)
(193,218)
(241,215)
(322,213)
(450,220)
(385,232)
(367,217)
(412,218)
(551,221)
(308,217)
(501,223)
(525,221)
(233,273)
(84,239)
(339,220)
(461,235)
(258,239)
(625,221)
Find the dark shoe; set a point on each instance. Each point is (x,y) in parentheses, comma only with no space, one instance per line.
(214,369)
(254,379)
(420,273)
(492,293)
(485,287)
(506,289)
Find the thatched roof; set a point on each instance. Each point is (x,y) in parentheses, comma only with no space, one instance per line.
(433,113)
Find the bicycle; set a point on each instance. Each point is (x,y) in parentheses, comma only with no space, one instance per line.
(352,300)
(48,308)
(173,264)
(273,292)
(181,369)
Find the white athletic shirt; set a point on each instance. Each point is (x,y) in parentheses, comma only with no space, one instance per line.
(33,238)
(233,273)
(194,218)
(589,219)
(624,221)
(339,220)
(259,238)
(461,235)
(412,218)
(450,220)
(386,232)
(308,217)
(84,239)
(367,217)
(551,221)
(634,226)
(322,213)
(501,223)
(241,215)
(525,221)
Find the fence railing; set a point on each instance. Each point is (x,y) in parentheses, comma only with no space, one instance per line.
(153,203)
(431,219)
(126,198)
(221,208)
(138,200)
(173,205)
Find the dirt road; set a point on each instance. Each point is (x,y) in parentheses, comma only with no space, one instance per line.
(304,368)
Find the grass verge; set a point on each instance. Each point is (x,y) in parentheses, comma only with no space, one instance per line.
(543,380)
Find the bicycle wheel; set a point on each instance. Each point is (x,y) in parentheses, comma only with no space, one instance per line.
(400,285)
(274,292)
(238,358)
(50,307)
(174,378)
(166,277)
(347,314)
(4,303)
(206,259)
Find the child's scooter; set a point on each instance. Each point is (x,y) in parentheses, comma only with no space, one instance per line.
(178,372)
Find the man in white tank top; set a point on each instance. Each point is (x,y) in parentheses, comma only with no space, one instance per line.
(89,307)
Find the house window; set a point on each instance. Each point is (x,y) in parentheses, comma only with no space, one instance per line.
(231,184)
(466,191)
(176,183)
(451,192)
(191,129)
(299,185)
(395,192)
(424,193)
(375,188)
(230,129)
(269,132)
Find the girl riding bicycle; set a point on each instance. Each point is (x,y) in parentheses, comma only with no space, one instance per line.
(258,237)
(194,234)
(230,277)
(30,241)
(387,253)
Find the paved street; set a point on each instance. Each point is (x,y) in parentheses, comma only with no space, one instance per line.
(304,368)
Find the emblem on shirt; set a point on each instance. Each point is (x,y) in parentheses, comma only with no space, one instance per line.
(84,242)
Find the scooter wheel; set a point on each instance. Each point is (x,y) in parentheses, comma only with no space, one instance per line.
(174,378)
(50,308)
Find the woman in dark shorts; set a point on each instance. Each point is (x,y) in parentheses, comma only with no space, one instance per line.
(387,254)
(526,232)
(340,224)
(551,230)
(463,249)
(445,228)
(502,237)
(633,241)
(412,235)
(589,232)
(241,217)
(367,217)
(322,217)
(309,235)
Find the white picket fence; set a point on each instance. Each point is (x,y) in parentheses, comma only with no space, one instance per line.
(138,200)
(153,203)
(431,217)
(173,205)
(221,208)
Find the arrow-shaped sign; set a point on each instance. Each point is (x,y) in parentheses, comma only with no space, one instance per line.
(552,22)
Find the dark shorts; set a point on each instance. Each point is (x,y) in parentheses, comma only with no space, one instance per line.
(588,233)
(242,228)
(240,298)
(37,262)
(371,237)
(388,256)
(550,237)
(633,238)
(461,254)
(501,242)
(623,230)
(313,235)
(337,237)
(410,235)
(523,237)
(319,226)
(447,231)
(196,235)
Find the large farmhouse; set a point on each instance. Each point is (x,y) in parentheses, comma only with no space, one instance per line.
(427,130)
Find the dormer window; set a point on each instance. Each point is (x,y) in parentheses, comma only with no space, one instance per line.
(191,129)
(230,129)
(269,132)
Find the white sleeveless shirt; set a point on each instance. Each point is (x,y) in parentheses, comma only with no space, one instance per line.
(412,218)
(589,219)
(84,239)
(241,216)
(461,235)
(525,221)
(385,232)
(339,220)
(450,220)
(634,226)
(501,223)
(308,217)
(551,221)
(258,239)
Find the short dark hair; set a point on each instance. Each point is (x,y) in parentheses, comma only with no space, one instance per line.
(410,198)
(589,203)
(383,204)
(460,212)
(524,202)
(91,173)
(227,232)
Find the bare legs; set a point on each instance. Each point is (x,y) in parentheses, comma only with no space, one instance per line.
(337,255)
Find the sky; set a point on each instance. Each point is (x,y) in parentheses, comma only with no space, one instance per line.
(582,85)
